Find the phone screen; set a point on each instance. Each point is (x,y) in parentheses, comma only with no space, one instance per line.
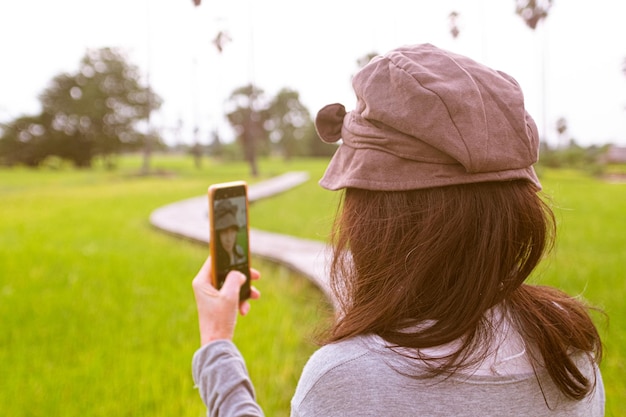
(229,238)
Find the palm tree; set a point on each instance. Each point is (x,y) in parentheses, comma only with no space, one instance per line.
(533,11)
(561,129)
(454,24)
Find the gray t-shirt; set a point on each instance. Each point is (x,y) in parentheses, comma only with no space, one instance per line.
(363,377)
(360,377)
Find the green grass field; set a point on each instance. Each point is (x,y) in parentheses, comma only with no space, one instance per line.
(97,310)
(96,305)
(590,261)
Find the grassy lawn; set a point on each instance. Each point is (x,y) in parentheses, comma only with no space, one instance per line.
(590,261)
(97,310)
(96,306)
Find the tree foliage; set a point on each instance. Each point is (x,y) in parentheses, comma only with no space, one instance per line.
(23,141)
(95,111)
(533,11)
(453,24)
(248,118)
(573,156)
(281,124)
(287,123)
(365,59)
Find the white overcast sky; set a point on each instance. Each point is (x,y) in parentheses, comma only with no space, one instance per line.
(312,47)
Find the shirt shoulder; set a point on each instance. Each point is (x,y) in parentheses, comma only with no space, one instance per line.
(333,356)
(334,368)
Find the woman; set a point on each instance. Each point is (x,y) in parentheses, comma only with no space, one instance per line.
(440,226)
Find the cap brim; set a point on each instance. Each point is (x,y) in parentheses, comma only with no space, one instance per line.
(375,170)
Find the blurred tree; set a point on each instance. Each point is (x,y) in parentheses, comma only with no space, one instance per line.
(215,146)
(287,122)
(561,129)
(533,11)
(101,104)
(316,146)
(23,142)
(362,61)
(221,39)
(453,24)
(196,152)
(248,119)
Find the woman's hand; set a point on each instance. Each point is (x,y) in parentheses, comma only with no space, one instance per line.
(217,310)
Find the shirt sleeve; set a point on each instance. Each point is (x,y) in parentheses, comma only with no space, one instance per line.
(220,374)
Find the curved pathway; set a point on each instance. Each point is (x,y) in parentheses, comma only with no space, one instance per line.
(188,219)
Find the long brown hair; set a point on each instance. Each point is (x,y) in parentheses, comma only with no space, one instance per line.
(446,256)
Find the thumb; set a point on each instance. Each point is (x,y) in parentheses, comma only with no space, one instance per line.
(232,284)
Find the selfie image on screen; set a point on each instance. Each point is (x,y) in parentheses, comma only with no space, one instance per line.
(230,235)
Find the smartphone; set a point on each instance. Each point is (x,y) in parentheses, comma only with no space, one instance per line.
(229,232)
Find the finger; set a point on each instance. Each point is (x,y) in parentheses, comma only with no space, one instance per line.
(244,308)
(255,294)
(254,274)
(232,284)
